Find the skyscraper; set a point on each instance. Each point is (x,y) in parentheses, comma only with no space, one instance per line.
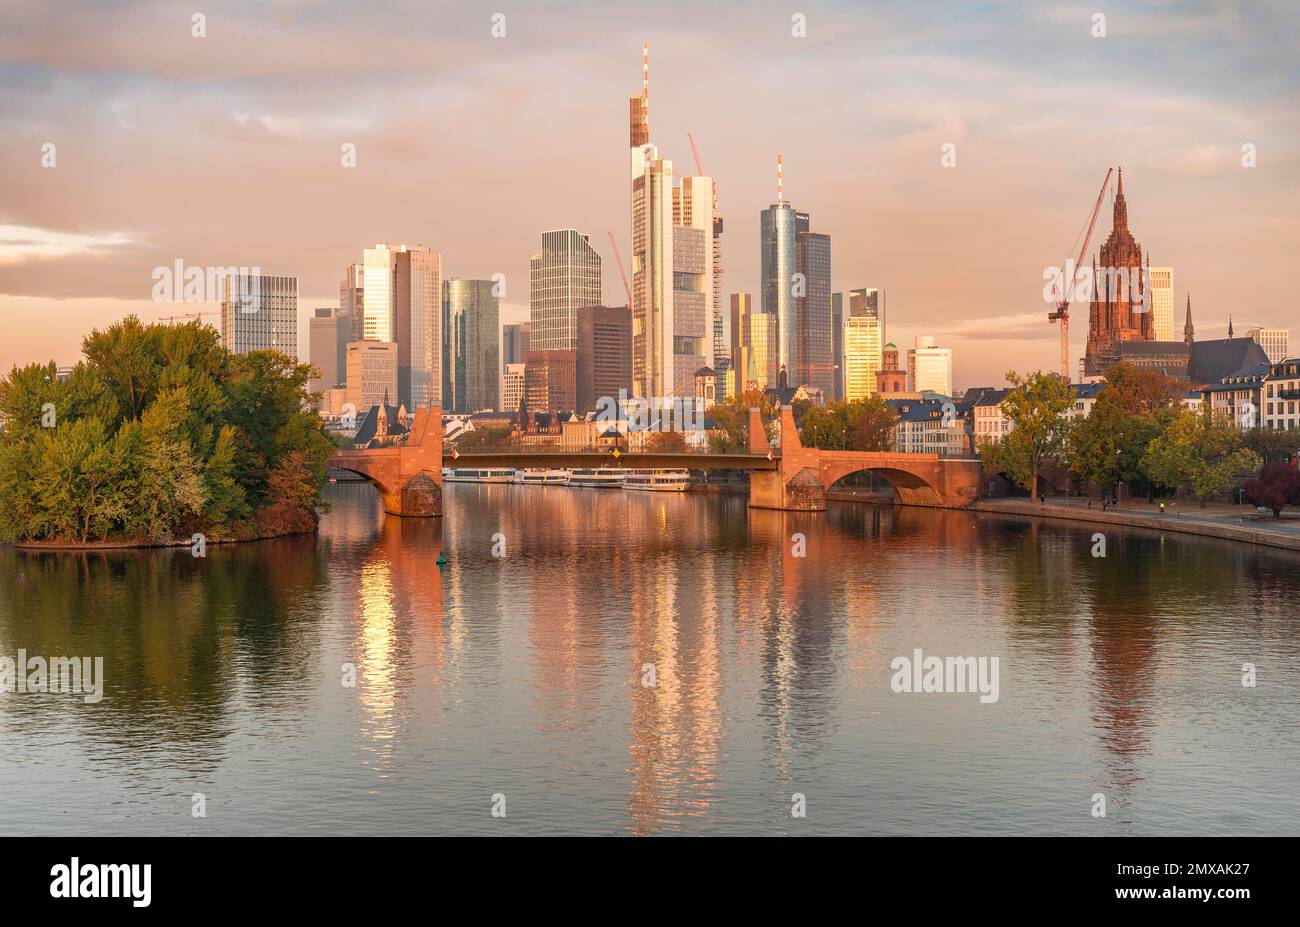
(813,363)
(471,355)
(351,314)
(1162,303)
(1116,314)
(796,273)
(402,301)
(929,367)
(371,374)
(514,342)
(837,343)
(778,237)
(260,313)
(863,340)
(672,265)
(604,362)
(563,276)
(323,338)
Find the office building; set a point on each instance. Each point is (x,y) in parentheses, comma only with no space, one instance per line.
(351,314)
(604,354)
(323,341)
(864,336)
(672,264)
(471,353)
(837,343)
(371,374)
(259,312)
(402,301)
(550,381)
(1162,302)
(514,342)
(929,367)
(512,390)
(1273,341)
(563,277)
(795,263)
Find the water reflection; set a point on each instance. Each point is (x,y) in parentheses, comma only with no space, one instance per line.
(645,663)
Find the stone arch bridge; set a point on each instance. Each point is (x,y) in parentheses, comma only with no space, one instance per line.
(790,477)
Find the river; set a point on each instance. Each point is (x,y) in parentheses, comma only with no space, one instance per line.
(654,663)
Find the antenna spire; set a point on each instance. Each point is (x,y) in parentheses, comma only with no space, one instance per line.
(645,71)
(778,178)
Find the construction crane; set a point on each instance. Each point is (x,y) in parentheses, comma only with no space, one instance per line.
(619,261)
(1062,311)
(188,315)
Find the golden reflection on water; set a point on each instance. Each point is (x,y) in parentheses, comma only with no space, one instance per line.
(376,676)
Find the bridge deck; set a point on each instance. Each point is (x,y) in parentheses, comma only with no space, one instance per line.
(630,461)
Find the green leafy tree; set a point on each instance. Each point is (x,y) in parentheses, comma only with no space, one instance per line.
(1036,407)
(75,482)
(1132,408)
(159,431)
(128,359)
(730,433)
(1202,449)
(489,438)
(857,425)
(18,501)
(225,502)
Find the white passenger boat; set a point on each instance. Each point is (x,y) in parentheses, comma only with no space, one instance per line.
(473,475)
(657,480)
(542,477)
(597,477)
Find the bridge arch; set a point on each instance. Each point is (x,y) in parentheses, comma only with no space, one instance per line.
(391,500)
(911,487)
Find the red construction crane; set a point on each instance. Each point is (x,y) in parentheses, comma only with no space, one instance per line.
(1062,312)
(618,260)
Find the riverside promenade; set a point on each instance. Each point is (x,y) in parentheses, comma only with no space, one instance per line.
(1233,522)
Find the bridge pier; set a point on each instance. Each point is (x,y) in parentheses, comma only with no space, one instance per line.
(408,476)
(795,486)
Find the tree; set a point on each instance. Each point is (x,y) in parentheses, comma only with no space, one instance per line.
(1202,449)
(730,433)
(18,502)
(1132,408)
(666,442)
(489,438)
(74,482)
(160,429)
(1272,443)
(1276,485)
(873,426)
(856,425)
(1035,406)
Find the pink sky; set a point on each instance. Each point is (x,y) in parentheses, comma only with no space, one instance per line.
(225,150)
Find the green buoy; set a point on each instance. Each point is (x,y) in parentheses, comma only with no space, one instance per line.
(442,559)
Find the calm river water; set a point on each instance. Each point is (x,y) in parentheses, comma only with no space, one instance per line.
(520,680)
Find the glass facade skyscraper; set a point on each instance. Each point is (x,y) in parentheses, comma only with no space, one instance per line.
(563,277)
(260,313)
(778,257)
(813,363)
(401,296)
(471,346)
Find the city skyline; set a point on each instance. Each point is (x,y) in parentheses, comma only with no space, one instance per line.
(867,166)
